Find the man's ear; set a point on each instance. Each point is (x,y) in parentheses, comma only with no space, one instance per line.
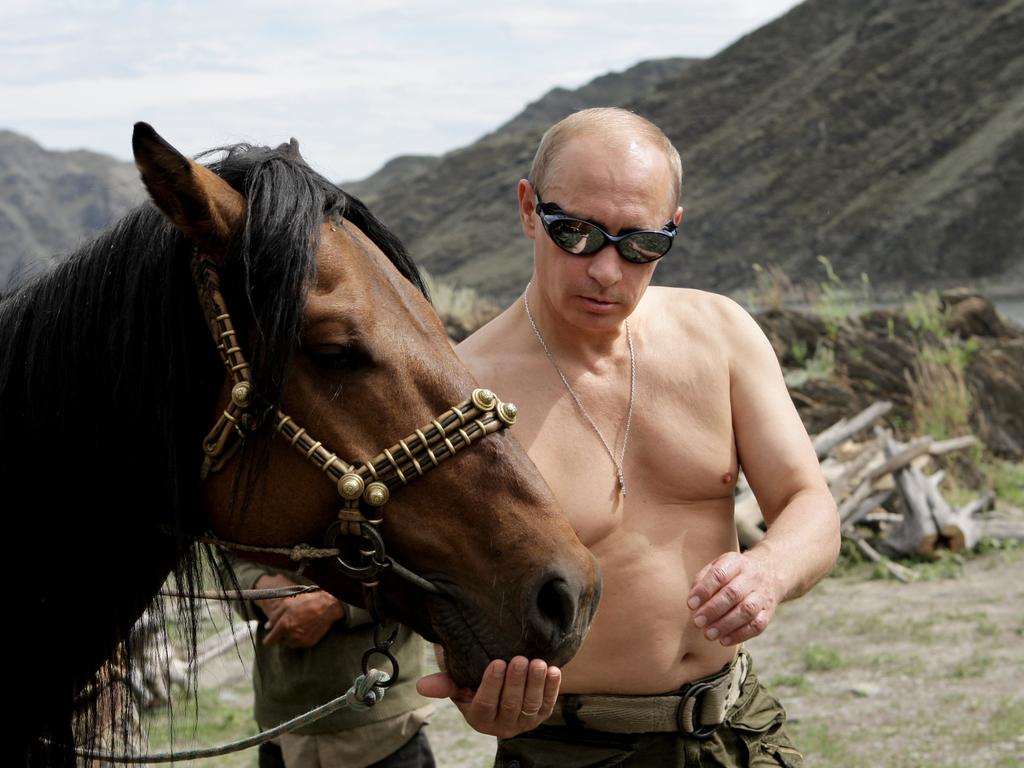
(195,199)
(527,208)
(678,215)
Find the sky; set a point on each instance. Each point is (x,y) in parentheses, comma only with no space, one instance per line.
(356,82)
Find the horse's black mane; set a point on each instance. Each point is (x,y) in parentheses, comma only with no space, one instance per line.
(107,382)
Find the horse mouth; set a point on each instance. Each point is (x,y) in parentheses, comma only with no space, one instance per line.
(466,653)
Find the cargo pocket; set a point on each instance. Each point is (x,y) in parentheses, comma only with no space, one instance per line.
(557,747)
(786,756)
(758,726)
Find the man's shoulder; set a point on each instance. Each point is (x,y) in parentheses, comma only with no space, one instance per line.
(484,350)
(692,306)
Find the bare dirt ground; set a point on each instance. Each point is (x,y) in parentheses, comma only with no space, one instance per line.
(872,672)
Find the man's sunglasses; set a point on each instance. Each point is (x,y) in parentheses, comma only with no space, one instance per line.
(583,238)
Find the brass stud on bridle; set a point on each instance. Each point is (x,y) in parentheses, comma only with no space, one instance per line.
(241,394)
(484,399)
(376,494)
(350,486)
(508,413)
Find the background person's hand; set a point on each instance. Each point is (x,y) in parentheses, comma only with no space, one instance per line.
(300,621)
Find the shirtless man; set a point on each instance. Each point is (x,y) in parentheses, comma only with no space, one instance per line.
(639,405)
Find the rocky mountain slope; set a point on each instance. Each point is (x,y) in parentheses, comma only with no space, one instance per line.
(51,201)
(887,135)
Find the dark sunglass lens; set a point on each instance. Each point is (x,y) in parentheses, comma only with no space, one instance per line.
(575,236)
(644,246)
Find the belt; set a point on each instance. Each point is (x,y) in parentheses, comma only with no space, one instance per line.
(696,709)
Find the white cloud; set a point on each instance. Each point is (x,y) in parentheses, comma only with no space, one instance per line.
(357,82)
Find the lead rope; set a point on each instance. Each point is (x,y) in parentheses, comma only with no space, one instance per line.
(365,691)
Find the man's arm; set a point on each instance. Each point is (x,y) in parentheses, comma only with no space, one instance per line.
(734,597)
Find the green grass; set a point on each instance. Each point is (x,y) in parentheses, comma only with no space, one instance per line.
(925,315)
(946,566)
(921,630)
(1008,720)
(796,681)
(895,663)
(1006,479)
(975,666)
(823,748)
(836,301)
(218,722)
(821,658)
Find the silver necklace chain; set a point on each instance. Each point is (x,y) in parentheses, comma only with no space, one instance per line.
(579,404)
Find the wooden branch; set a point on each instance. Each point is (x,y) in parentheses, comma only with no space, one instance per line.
(980,504)
(995,528)
(917,534)
(851,503)
(881,516)
(953,444)
(240,630)
(854,468)
(952,526)
(865,506)
(900,572)
(899,456)
(846,428)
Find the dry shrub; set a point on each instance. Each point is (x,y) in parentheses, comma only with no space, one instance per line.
(461,309)
(938,390)
(774,287)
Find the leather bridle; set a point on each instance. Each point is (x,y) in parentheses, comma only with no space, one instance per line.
(365,488)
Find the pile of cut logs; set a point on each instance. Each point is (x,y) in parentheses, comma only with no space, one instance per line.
(881,488)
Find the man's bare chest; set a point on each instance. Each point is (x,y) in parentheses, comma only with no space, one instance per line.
(680,453)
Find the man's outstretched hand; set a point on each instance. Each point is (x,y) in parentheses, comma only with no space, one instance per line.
(512,698)
(734,597)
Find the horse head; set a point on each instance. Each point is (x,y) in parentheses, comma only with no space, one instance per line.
(344,357)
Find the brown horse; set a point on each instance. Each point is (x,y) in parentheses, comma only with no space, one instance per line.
(109,381)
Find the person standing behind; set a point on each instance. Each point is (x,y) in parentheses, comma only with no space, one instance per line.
(639,406)
(309,650)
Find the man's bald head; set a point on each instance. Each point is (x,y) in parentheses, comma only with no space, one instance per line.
(608,124)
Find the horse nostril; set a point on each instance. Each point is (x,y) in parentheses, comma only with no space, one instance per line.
(556,608)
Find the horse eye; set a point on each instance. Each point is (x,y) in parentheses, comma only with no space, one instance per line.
(336,358)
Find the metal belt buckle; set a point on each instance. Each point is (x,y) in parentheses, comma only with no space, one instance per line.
(693,693)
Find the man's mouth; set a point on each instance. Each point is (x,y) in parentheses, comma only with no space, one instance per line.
(597,303)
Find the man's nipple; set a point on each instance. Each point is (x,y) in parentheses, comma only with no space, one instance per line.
(727,478)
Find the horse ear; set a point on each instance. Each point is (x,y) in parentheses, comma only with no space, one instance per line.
(291,149)
(195,199)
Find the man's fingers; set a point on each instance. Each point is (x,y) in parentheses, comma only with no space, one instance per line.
(724,601)
(711,578)
(752,629)
(743,612)
(437,686)
(274,613)
(484,707)
(276,633)
(533,696)
(552,682)
(513,695)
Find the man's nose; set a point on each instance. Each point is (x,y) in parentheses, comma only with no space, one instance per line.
(605,266)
